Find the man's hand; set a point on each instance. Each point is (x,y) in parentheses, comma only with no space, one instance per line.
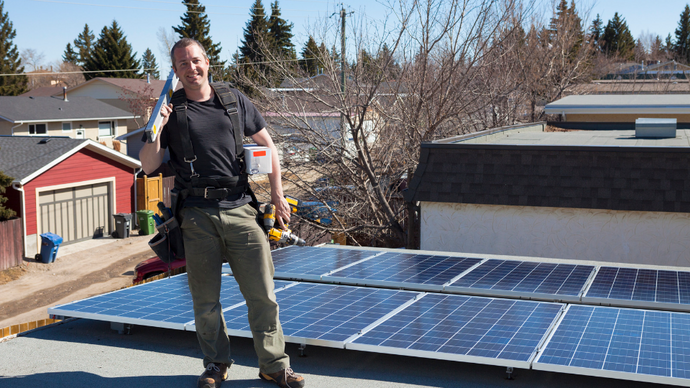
(282,210)
(165,112)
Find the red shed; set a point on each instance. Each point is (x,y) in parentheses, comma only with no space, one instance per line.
(70,187)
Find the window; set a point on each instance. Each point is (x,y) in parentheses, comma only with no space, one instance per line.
(66,127)
(105,128)
(38,129)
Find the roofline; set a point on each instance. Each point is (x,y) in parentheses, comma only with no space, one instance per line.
(91,145)
(73,119)
(618,109)
(540,147)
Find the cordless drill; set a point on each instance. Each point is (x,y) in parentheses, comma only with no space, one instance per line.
(277,234)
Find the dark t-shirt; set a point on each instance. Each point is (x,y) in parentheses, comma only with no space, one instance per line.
(213,141)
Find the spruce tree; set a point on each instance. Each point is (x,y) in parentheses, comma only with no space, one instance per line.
(196,25)
(281,34)
(596,30)
(5,181)
(112,52)
(84,44)
(10,63)
(149,65)
(70,55)
(252,61)
(310,57)
(617,39)
(681,48)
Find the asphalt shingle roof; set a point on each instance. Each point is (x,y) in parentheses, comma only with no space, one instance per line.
(17,109)
(615,178)
(21,156)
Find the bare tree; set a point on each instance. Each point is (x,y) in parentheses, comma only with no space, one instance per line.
(166,39)
(140,102)
(68,75)
(32,59)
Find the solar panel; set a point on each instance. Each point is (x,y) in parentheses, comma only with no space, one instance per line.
(645,288)
(642,345)
(421,272)
(325,314)
(524,279)
(464,328)
(164,303)
(310,263)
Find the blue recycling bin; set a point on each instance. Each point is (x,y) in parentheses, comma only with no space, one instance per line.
(50,242)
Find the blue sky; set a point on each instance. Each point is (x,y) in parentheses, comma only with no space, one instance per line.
(48,25)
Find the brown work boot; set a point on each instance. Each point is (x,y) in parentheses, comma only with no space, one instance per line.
(285,378)
(213,376)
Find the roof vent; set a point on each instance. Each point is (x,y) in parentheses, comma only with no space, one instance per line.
(655,128)
(44,140)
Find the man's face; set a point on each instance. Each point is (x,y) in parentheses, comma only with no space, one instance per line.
(191,67)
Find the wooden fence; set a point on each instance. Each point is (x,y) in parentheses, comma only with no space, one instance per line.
(12,243)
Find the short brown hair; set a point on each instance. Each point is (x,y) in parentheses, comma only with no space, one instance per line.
(182,43)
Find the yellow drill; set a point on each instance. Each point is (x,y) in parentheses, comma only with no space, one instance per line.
(276,234)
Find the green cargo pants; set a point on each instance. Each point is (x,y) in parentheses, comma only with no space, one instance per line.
(210,234)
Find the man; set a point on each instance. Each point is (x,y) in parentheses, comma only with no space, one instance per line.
(216,225)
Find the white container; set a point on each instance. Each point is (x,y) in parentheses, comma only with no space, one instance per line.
(655,128)
(257,159)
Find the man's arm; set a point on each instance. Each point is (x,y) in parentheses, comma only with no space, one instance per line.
(151,154)
(262,138)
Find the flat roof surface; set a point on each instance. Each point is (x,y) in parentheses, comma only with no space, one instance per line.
(615,138)
(87,353)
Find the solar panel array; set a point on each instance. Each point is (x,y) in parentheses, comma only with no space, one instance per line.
(635,287)
(394,313)
(513,278)
(643,345)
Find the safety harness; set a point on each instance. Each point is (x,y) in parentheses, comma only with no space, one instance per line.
(210,187)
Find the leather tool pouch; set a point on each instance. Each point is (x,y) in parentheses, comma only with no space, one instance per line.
(168,243)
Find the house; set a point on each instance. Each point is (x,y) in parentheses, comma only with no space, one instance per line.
(76,117)
(137,96)
(618,111)
(585,195)
(70,187)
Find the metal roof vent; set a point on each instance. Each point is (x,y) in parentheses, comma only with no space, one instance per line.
(44,141)
(655,128)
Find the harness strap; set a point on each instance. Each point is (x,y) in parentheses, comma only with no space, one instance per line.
(211,188)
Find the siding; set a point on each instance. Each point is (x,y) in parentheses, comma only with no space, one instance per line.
(83,166)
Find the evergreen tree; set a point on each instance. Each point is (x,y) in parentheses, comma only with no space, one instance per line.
(84,44)
(596,30)
(70,55)
(617,39)
(149,65)
(281,34)
(252,61)
(196,25)
(112,52)
(682,47)
(5,181)
(10,63)
(310,57)
(564,21)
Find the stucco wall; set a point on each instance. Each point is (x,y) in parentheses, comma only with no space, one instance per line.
(656,238)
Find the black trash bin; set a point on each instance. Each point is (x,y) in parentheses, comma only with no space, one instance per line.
(122,222)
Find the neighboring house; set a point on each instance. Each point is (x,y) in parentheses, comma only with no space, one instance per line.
(43,91)
(75,117)
(659,70)
(618,111)
(584,195)
(626,86)
(129,94)
(70,187)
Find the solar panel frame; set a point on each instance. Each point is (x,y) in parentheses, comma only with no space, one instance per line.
(621,343)
(393,269)
(529,280)
(399,330)
(645,288)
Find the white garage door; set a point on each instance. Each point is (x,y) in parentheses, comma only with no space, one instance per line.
(76,213)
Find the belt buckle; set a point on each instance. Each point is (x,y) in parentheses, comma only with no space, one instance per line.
(206,191)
